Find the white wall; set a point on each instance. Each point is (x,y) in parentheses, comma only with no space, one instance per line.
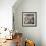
(6,13)
(33,33)
(43,22)
(38,34)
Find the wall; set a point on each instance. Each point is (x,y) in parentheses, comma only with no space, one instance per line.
(33,33)
(6,13)
(43,22)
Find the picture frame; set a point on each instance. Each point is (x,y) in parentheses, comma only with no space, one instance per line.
(29,19)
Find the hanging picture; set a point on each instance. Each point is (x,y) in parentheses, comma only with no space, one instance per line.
(29,19)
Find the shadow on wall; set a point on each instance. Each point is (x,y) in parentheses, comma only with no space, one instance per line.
(17,4)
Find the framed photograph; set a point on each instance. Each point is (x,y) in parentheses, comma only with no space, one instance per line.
(29,19)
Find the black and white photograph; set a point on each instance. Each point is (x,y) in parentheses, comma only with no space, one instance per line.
(29,18)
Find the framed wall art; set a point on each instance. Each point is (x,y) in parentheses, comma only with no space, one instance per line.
(29,19)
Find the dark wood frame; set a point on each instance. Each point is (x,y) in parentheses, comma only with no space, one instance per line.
(35,19)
